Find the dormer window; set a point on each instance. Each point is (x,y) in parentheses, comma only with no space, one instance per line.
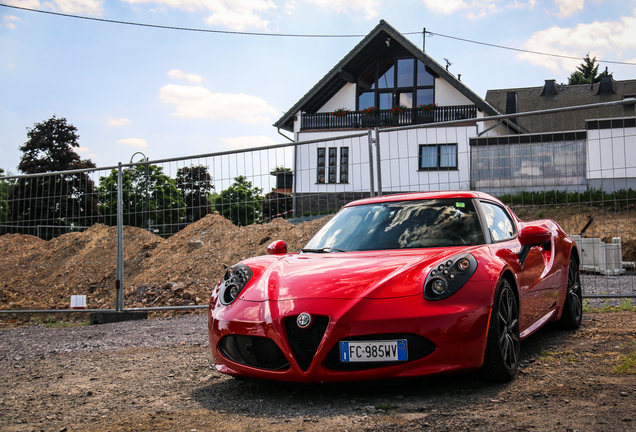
(403,81)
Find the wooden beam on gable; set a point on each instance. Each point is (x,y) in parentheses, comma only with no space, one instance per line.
(347,76)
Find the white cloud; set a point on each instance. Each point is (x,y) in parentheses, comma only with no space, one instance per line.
(82,149)
(597,38)
(177,74)
(9,20)
(516,4)
(569,7)
(118,122)
(133,142)
(370,7)
(289,7)
(481,10)
(248,141)
(88,7)
(29,4)
(234,14)
(476,9)
(199,102)
(445,6)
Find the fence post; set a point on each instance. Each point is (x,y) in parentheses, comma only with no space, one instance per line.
(295,188)
(377,159)
(371,181)
(119,284)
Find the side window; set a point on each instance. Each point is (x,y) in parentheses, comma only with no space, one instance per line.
(498,221)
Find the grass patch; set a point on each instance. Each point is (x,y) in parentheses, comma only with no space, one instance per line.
(550,356)
(546,355)
(628,364)
(48,321)
(625,306)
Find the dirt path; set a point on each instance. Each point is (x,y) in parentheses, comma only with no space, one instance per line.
(157,375)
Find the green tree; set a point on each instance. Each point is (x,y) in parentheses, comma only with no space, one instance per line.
(5,186)
(150,198)
(61,199)
(240,203)
(586,72)
(195,184)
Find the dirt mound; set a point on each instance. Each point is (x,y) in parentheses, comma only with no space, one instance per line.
(180,270)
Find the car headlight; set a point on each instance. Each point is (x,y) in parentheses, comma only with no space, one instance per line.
(447,277)
(234,280)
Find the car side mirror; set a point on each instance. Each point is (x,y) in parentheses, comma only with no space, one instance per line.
(278,247)
(529,236)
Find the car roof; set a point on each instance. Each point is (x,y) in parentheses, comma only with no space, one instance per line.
(424,196)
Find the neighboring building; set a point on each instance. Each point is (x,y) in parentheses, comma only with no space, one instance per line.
(552,95)
(576,149)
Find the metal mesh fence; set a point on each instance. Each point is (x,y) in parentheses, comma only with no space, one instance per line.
(183,221)
(577,167)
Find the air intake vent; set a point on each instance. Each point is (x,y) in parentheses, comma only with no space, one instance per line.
(260,352)
(304,342)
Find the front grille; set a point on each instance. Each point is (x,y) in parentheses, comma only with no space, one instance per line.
(304,342)
(260,352)
(417,347)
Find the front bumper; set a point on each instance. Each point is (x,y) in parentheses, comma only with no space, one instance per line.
(257,339)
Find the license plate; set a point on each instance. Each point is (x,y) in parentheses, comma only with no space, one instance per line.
(373,351)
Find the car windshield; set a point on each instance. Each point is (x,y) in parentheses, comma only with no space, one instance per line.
(400,225)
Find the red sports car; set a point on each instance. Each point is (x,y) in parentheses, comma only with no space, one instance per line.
(398,286)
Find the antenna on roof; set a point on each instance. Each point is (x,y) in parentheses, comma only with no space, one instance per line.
(424,38)
(448,63)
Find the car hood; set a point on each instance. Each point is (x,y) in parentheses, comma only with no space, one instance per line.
(385,274)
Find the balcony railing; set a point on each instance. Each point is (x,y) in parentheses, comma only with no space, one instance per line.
(385,118)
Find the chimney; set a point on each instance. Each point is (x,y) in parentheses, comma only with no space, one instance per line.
(511,105)
(549,88)
(606,86)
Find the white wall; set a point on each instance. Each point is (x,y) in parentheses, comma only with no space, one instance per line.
(611,153)
(447,95)
(399,155)
(307,166)
(400,159)
(345,98)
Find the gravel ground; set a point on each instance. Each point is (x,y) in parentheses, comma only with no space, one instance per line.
(157,375)
(608,285)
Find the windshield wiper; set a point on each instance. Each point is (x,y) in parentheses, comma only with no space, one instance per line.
(324,250)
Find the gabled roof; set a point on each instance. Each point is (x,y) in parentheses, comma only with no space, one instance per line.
(373,47)
(552,95)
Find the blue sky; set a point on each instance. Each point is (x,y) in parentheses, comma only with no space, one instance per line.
(173,93)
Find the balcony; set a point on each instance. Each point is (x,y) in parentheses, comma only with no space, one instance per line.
(385,118)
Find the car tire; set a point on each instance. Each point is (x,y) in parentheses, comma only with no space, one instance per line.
(503,345)
(573,305)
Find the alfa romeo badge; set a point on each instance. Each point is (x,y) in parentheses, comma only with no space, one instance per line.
(303,320)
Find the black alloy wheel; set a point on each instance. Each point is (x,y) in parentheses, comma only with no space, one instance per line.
(504,345)
(573,305)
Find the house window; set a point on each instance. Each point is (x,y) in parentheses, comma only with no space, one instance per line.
(321,165)
(390,82)
(344,164)
(328,165)
(438,157)
(333,163)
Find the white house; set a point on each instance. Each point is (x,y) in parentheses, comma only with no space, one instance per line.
(386,81)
